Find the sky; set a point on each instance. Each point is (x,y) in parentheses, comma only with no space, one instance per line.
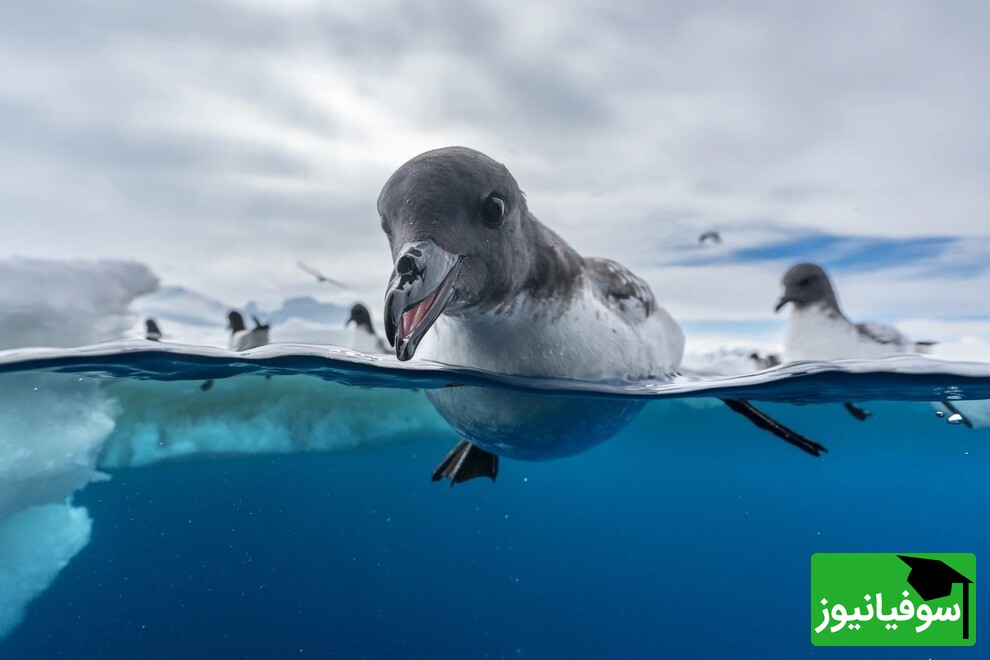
(220,141)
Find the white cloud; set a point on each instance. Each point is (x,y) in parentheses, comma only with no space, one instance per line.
(221,141)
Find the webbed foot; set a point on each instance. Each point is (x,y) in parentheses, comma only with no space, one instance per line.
(466,461)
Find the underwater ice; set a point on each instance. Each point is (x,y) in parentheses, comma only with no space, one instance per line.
(53,426)
(62,430)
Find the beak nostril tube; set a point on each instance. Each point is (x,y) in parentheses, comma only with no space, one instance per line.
(406,265)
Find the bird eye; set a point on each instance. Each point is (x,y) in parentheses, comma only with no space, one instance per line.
(805,281)
(493,210)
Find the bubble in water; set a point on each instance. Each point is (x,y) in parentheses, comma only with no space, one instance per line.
(939,413)
(954,419)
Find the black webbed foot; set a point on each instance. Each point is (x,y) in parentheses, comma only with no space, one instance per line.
(207,384)
(464,462)
(857,412)
(767,423)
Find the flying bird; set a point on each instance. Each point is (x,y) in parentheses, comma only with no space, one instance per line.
(710,236)
(320,277)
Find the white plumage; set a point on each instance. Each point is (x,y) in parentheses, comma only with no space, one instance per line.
(587,338)
(817,333)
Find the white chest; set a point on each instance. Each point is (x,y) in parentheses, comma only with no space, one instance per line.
(586,340)
(247,339)
(364,342)
(813,334)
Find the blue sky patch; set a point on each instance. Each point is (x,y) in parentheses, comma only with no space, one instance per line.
(846,253)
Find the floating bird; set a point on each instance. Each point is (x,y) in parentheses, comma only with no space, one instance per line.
(818,330)
(478,281)
(320,277)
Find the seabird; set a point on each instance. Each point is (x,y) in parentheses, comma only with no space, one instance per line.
(363,336)
(242,338)
(478,281)
(151,330)
(320,277)
(818,330)
(712,236)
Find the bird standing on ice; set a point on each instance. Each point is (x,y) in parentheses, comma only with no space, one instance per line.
(363,336)
(242,338)
(499,291)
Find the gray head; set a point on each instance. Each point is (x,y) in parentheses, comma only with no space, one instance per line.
(807,284)
(462,240)
(235,322)
(361,317)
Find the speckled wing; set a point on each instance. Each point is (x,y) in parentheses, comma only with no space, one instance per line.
(882,334)
(624,292)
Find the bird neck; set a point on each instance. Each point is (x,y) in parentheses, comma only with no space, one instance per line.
(555,268)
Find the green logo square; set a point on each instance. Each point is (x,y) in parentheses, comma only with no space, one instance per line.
(893,599)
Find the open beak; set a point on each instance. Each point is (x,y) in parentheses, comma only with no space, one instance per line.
(783,301)
(422,285)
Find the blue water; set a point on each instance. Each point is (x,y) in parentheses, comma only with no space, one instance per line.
(689,534)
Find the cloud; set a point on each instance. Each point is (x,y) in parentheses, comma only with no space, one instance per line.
(220,141)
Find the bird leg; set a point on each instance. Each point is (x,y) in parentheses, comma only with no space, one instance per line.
(466,461)
(767,423)
(857,412)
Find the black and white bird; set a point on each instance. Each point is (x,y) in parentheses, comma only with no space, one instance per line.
(478,281)
(242,338)
(818,330)
(363,337)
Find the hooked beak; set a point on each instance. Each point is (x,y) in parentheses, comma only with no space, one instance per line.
(422,285)
(350,319)
(783,301)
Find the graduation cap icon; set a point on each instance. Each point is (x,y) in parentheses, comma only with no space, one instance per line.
(933,578)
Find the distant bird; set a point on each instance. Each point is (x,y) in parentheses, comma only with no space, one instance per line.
(320,277)
(241,338)
(363,336)
(152,332)
(819,331)
(765,360)
(710,236)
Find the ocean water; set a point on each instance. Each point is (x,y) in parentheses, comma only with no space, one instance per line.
(295,516)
